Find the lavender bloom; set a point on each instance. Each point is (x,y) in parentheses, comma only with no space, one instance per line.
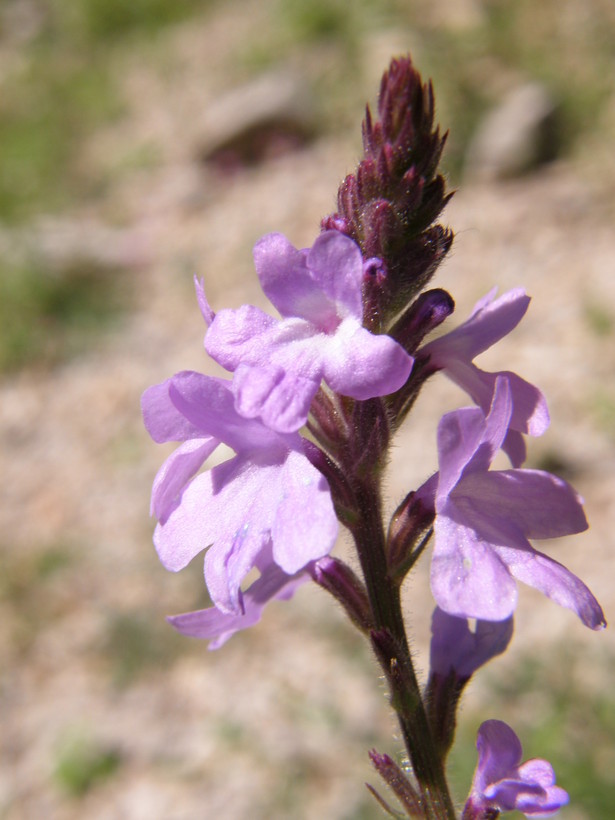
(278,365)
(484,519)
(216,626)
(501,784)
(456,653)
(490,321)
(249,512)
(455,648)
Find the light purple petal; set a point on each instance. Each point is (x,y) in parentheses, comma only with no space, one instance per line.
(530,413)
(468,578)
(489,322)
(216,626)
(204,306)
(209,404)
(279,364)
(240,335)
(543,806)
(322,285)
(557,583)
(194,524)
(176,471)
(540,504)
(514,447)
(499,753)
(455,647)
(289,283)
(483,526)
(540,772)
(229,509)
(453,353)
(305,526)
(162,419)
(337,266)
(468,442)
(281,398)
(460,434)
(237,509)
(522,792)
(537,771)
(362,365)
(496,427)
(426,493)
(246,508)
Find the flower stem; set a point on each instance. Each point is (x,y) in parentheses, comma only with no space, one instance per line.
(393,654)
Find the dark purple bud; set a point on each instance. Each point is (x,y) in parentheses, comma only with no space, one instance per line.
(338,579)
(328,414)
(334,222)
(375,270)
(412,185)
(398,782)
(409,531)
(428,311)
(389,205)
(374,280)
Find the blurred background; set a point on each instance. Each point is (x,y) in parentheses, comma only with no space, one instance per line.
(142,143)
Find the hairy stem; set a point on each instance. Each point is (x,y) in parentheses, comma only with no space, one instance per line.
(394,655)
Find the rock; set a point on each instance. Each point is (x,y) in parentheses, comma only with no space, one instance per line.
(267,117)
(60,244)
(518,135)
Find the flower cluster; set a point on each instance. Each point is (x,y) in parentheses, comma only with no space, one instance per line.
(278,365)
(502,783)
(483,519)
(268,508)
(346,358)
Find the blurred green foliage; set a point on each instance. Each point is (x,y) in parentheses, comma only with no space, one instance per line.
(61,89)
(34,590)
(46,316)
(82,763)
(102,20)
(135,644)
(599,318)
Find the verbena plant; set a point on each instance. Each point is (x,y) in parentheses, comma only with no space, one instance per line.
(315,399)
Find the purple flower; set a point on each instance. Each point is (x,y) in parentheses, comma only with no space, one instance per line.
(491,320)
(501,783)
(484,519)
(267,507)
(456,653)
(278,365)
(216,626)
(455,648)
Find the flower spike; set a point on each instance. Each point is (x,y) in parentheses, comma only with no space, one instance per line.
(484,520)
(502,783)
(390,204)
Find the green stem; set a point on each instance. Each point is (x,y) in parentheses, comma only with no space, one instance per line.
(385,602)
